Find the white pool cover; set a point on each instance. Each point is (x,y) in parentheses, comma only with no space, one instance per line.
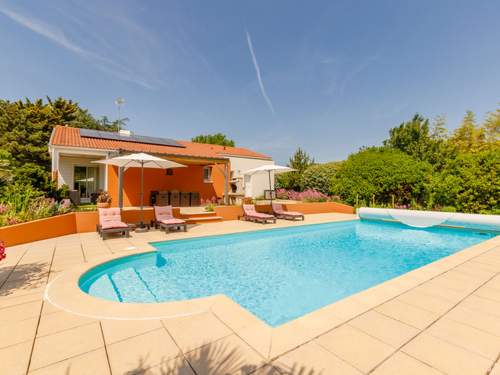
(425,219)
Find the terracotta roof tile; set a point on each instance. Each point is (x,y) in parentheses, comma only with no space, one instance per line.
(70,137)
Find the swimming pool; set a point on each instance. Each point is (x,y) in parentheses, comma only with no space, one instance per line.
(278,274)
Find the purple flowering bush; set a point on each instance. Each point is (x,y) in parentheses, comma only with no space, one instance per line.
(308,195)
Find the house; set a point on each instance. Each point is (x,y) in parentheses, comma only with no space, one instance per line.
(211,170)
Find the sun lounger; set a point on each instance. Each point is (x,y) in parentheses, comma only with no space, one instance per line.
(250,214)
(110,221)
(280,213)
(165,219)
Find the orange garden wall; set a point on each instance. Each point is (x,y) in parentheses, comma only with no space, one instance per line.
(188,179)
(37,230)
(80,222)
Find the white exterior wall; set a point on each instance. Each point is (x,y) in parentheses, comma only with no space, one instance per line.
(254,185)
(67,169)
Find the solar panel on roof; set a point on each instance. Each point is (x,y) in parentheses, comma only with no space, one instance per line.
(90,133)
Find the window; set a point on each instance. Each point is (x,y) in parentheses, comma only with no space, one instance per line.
(207,174)
(86,180)
(169,172)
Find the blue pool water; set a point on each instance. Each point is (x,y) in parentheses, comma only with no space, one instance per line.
(278,274)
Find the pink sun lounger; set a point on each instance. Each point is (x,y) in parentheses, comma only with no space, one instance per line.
(250,214)
(164,218)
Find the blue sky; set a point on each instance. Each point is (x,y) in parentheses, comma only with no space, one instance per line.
(329,76)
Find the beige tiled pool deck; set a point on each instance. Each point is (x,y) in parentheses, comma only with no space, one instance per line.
(443,318)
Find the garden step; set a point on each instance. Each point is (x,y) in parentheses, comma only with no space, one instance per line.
(203,219)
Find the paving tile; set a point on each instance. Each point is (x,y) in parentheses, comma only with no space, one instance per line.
(17,313)
(355,347)
(258,336)
(483,305)
(19,300)
(91,363)
(17,332)
(467,337)
(117,330)
(286,337)
(60,321)
(426,301)
(496,369)
(193,331)
(313,359)
(483,321)
(232,314)
(142,352)
(388,330)
(408,314)
(63,345)
(435,289)
(176,366)
(229,355)
(445,357)
(401,363)
(267,370)
(14,359)
(488,292)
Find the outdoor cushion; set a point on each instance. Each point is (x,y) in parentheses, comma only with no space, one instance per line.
(250,211)
(163,213)
(113,225)
(109,214)
(172,221)
(278,208)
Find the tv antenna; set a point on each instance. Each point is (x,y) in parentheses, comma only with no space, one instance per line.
(119,102)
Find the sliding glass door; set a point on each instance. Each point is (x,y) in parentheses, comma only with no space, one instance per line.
(86,181)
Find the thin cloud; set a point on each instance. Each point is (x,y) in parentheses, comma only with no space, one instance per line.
(58,37)
(257,71)
(43,29)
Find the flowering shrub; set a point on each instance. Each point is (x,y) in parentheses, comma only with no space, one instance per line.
(3,255)
(104,197)
(209,203)
(309,195)
(23,203)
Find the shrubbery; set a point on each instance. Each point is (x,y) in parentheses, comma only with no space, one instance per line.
(320,177)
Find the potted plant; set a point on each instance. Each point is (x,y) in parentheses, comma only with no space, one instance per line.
(103,200)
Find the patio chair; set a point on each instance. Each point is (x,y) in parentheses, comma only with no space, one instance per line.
(280,213)
(165,219)
(250,214)
(110,221)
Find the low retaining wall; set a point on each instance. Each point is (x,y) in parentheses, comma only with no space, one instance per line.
(81,222)
(37,230)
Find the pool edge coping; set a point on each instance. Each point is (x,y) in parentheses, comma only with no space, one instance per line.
(64,293)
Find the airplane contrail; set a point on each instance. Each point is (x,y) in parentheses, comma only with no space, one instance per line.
(257,71)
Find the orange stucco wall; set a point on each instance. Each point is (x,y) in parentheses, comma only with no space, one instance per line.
(187,179)
(37,230)
(80,222)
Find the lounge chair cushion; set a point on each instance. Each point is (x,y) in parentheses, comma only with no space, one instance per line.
(250,211)
(111,218)
(113,225)
(163,213)
(278,208)
(172,221)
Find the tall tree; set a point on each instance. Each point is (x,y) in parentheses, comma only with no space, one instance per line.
(299,161)
(213,139)
(492,128)
(468,137)
(25,129)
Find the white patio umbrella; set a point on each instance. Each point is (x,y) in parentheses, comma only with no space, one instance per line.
(140,160)
(269,168)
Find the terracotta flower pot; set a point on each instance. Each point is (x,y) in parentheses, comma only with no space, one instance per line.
(103,205)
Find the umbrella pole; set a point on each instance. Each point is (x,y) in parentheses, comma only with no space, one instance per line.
(270,188)
(142,194)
